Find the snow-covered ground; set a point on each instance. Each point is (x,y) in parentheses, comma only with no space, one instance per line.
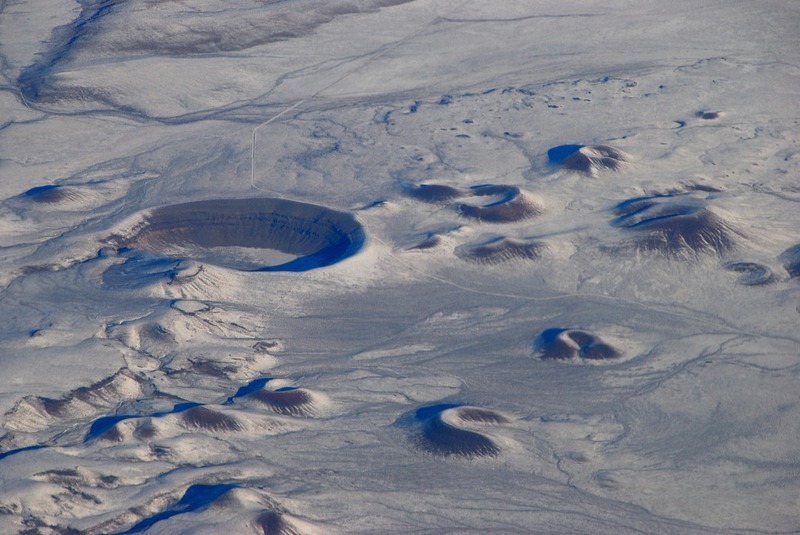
(375,266)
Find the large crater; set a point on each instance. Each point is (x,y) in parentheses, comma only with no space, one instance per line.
(262,234)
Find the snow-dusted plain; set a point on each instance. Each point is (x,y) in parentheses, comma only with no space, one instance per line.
(375,266)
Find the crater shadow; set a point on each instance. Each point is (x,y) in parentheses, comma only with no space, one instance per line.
(564,344)
(105,427)
(196,497)
(791,260)
(51,194)
(286,400)
(592,159)
(444,434)
(677,226)
(709,115)
(508,205)
(557,155)
(261,234)
(752,273)
(432,241)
